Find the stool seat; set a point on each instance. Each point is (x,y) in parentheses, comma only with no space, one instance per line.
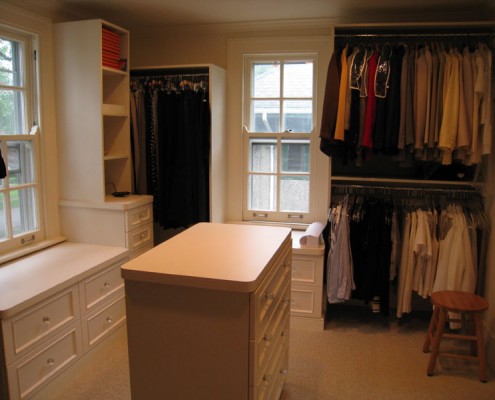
(459,302)
(469,308)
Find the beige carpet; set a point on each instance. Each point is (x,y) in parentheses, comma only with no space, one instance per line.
(358,356)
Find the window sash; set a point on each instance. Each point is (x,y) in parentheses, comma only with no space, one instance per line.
(20,191)
(272,184)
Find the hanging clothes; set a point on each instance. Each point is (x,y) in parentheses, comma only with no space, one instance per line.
(171,146)
(428,95)
(420,245)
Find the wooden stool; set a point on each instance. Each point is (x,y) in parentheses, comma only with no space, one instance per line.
(471,308)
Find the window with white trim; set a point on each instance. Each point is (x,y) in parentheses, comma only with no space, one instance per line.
(20,219)
(279,121)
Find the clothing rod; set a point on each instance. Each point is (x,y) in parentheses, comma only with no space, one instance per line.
(412,35)
(399,188)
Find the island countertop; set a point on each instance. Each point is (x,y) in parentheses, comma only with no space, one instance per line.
(228,257)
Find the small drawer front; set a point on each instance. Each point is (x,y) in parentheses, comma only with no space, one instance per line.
(32,372)
(306,301)
(269,294)
(140,237)
(268,342)
(307,269)
(103,322)
(101,286)
(31,327)
(139,216)
(140,250)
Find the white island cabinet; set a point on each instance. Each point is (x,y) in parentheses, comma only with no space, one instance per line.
(208,314)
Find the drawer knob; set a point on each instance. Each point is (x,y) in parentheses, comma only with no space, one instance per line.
(269,296)
(109,320)
(106,284)
(284,333)
(267,338)
(284,371)
(266,379)
(46,320)
(50,362)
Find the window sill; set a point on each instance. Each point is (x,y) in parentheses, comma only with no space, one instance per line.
(12,255)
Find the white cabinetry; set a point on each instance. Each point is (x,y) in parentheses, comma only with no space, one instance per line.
(73,301)
(307,298)
(93,123)
(209,309)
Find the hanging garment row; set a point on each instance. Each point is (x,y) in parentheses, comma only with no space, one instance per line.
(420,244)
(170,123)
(428,101)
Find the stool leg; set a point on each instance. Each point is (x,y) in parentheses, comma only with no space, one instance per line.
(437,338)
(431,329)
(481,347)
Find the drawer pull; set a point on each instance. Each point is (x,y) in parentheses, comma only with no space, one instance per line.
(106,284)
(266,379)
(109,320)
(267,338)
(284,371)
(269,296)
(284,333)
(46,321)
(50,362)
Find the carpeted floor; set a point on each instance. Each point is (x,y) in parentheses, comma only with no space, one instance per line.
(358,356)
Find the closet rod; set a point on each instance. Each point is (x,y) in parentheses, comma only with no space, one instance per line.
(412,35)
(410,189)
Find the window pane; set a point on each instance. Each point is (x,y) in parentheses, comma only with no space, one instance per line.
(266,116)
(298,116)
(3,219)
(10,73)
(298,80)
(263,155)
(23,207)
(11,112)
(262,192)
(294,193)
(20,163)
(266,80)
(295,156)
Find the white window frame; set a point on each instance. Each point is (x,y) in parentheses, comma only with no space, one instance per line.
(30,133)
(277,216)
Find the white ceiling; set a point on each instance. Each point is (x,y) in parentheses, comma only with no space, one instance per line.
(148,13)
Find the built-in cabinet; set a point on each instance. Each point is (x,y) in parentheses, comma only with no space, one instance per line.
(308,300)
(74,300)
(93,122)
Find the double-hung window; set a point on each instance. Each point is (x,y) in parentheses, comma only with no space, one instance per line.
(279,120)
(19,140)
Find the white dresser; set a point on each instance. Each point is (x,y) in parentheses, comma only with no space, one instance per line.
(208,314)
(55,306)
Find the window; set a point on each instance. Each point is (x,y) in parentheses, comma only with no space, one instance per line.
(19,191)
(279,118)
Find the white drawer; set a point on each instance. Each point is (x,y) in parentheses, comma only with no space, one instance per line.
(32,372)
(269,294)
(306,301)
(139,216)
(25,330)
(277,367)
(307,269)
(140,250)
(100,324)
(139,237)
(263,348)
(101,286)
